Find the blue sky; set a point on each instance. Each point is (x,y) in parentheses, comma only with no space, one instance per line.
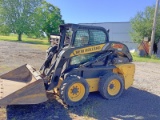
(92,11)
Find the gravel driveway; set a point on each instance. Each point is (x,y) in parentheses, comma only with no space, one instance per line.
(140,102)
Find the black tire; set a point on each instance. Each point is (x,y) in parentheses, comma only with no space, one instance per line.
(111,85)
(74,90)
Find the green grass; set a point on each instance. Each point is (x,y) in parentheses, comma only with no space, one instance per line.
(40,43)
(25,39)
(137,58)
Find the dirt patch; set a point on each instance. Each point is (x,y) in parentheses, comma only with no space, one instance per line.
(142,101)
(147,77)
(14,54)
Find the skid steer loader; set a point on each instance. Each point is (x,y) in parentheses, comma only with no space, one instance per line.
(84,61)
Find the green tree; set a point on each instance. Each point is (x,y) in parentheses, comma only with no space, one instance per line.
(47,19)
(16,16)
(142,25)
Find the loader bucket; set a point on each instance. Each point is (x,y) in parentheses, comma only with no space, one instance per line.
(22,86)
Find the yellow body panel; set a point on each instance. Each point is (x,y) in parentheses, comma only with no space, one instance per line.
(87,50)
(93,84)
(127,71)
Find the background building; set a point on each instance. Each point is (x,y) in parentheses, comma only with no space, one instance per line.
(119,31)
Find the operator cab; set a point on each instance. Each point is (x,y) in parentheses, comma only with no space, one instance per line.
(76,35)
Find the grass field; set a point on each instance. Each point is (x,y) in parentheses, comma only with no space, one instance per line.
(14,37)
(136,58)
(43,44)
(40,43)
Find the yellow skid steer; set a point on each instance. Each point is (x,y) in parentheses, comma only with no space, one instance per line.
(81,61)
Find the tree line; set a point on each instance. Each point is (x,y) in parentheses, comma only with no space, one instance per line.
(35,17)
(30,17)
(142,24)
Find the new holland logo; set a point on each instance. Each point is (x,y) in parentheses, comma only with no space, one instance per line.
(87,50)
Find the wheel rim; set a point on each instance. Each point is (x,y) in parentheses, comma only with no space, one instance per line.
(114,87)
(76,92)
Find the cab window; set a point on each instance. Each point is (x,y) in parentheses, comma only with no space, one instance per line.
(81,59)
(97,37)
(89,37)
(82,38)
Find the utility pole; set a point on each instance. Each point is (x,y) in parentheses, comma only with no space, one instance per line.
(153,28)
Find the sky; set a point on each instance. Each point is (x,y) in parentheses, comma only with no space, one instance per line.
(95,11)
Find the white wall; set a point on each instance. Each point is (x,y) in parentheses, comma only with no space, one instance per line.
(119,31)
